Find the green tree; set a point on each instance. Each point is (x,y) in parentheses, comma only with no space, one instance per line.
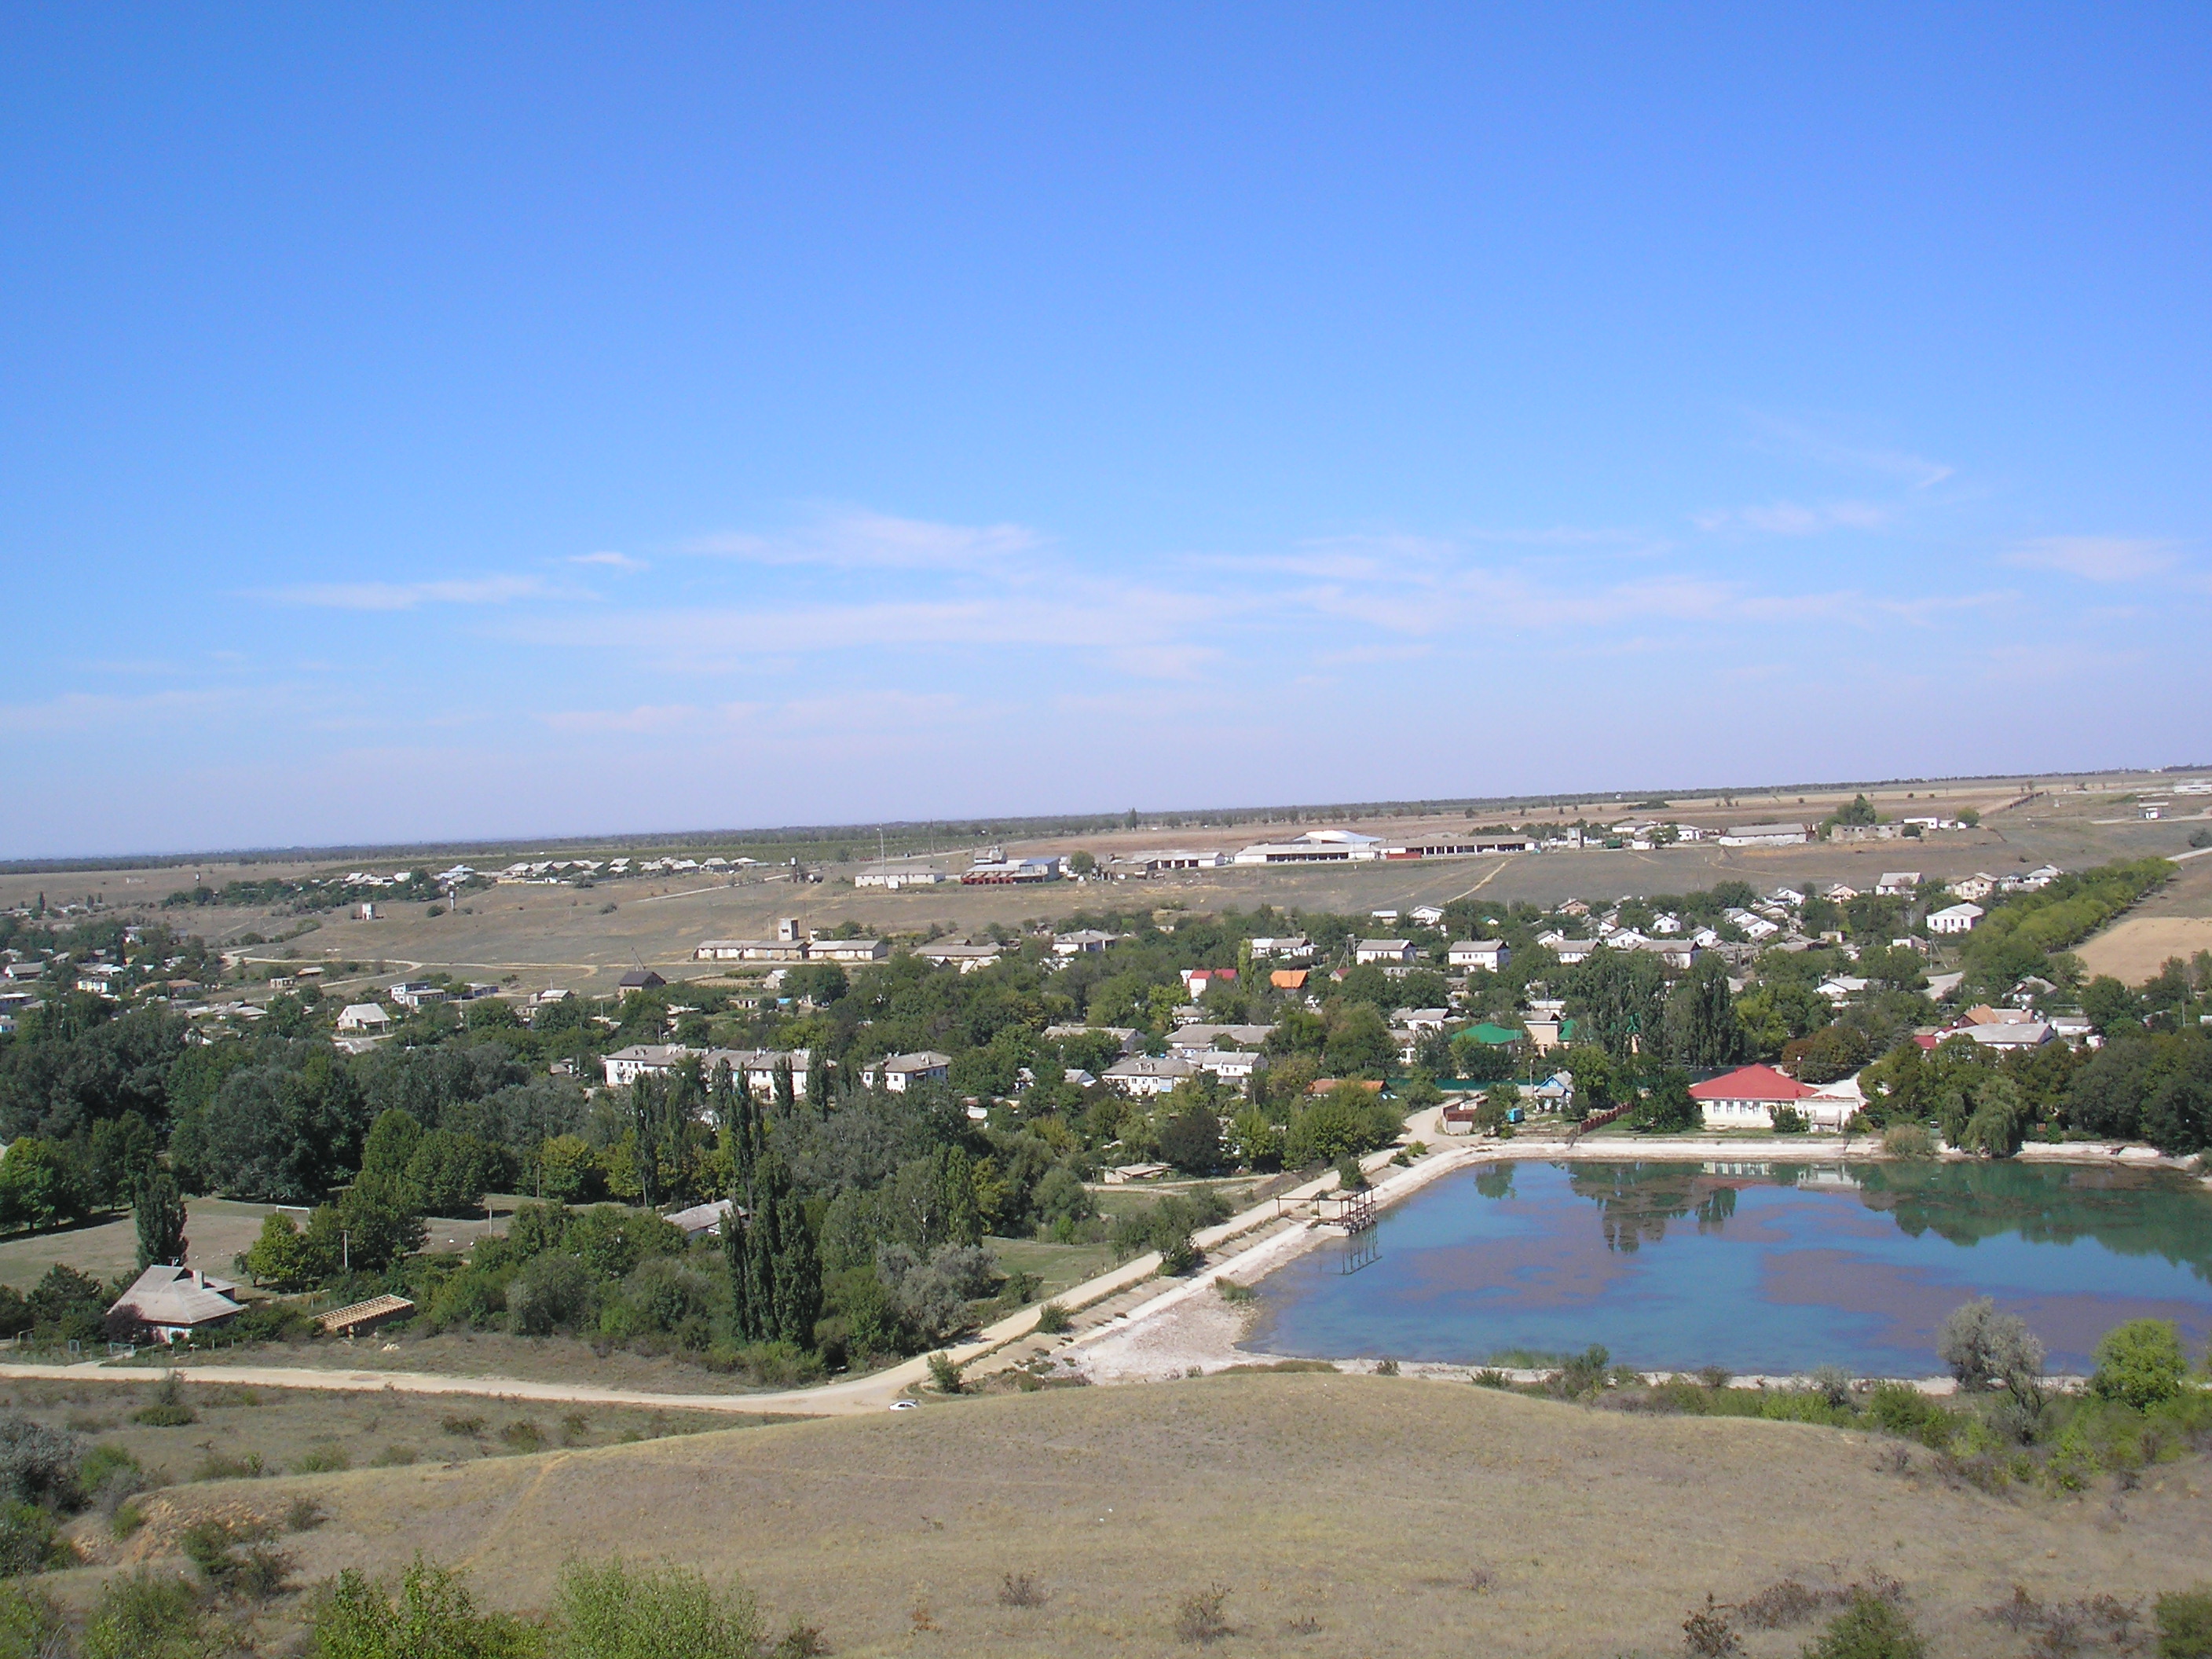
(42,1184)
(1191,1139)
(1360,1043)
(1669,1108)
(430,1615)
(1703,1030)
(568,1170)
(2141,1363)
(449,1174)
(159,1209)
(279,1258)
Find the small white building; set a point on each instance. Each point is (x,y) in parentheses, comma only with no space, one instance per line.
(846,949)
(366,1017)
(1488,954)
(1082,942)
(1147,1074)
(1384,949)
(1189,1041)
(966,957)
(1897,884)
(1954,918)
(899,1073)
(1767,835)
(1314,846)
(1974,888)
(893,877)
(1296,948)
(622,1068)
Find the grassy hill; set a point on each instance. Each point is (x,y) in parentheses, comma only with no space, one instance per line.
(1345,1514)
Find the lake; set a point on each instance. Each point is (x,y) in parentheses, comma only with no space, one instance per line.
(1758,1267)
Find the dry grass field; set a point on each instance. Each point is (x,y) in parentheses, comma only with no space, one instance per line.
(1343,1514)
(2136,947)
(216,1231)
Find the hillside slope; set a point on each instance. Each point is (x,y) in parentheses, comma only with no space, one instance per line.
(1370,1506)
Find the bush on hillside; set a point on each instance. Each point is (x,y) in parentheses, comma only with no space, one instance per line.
(2141,1363)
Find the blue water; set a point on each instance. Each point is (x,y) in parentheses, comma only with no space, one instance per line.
(1761,1268)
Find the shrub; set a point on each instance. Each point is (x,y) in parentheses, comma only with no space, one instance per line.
(944,1375)
(552,1292)
(305,1515)
(1490,1377)
(38,1465)
(469,1427)
(215,1466)
(1584,1372)
(1231,1291)
(1872,1627)
(1780,1605)
(322,1460)
(1021,1589)
(31,1624)
(109,1477)
(235,1560)
(524,1435)
(1981,1346)
(1053,1319)
(394,1457)
(168,1409)
(147,1614)
(1707,1634)
(2141,1363)
(1178,1256)
(2184,1625)
(431,1613)
(29,1540)
(1200,1616)
(1907,1140)
(1833,1384)
(618,1611)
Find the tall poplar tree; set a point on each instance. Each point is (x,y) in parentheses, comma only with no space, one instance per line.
(160,1212)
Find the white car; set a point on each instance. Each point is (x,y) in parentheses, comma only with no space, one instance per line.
(906,1405)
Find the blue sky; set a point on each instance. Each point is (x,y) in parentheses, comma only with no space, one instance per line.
(425,422)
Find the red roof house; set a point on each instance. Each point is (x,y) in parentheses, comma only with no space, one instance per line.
(1746,1097)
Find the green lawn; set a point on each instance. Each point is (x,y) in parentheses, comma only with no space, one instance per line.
(1059,1265)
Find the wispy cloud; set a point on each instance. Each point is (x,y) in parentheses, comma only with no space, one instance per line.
(1793,518)
(878,540)
(612,561)
(1810,444)
(647,717)
(406,596)
(78,711)
(2098,558)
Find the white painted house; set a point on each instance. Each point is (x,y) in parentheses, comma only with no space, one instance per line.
(1954,918)
(1148,1074)
(900,1072)
(1385,950)
(1491,953)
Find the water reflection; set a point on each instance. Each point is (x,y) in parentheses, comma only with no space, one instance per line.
(2131,1212)
(1758,1267)
(1637,1201)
